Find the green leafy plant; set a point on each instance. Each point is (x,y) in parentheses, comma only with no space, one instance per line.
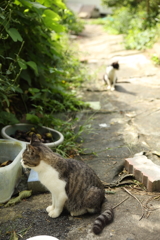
(33,45)
(140,40)
(139,29)
(39,73)
(155,59)
(74,24)
(70,128)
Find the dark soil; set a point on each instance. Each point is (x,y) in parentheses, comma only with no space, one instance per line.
(33,223)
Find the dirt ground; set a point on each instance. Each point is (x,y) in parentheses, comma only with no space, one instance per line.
(123,122)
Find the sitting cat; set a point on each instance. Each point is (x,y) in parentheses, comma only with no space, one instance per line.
(73,184)
(110,77)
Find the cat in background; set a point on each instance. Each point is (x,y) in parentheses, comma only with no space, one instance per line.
(110,77)
(72,183)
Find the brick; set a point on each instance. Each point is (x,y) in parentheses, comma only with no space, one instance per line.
(145,171)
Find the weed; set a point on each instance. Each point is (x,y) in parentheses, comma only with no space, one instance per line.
(140,31)
(39,71)
(155,59)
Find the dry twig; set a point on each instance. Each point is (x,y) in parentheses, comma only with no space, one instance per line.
(137,200)
(120,203)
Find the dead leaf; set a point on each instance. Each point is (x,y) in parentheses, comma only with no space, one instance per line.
(13,236)
(6,163)
(22,195)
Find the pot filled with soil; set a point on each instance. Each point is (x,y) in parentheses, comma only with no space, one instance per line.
(22,132)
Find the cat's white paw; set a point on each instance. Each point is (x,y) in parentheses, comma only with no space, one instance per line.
(112,88)
(54,213)
(108,87)
(49,208)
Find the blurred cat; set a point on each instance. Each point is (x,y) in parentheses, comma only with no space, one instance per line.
(110,77)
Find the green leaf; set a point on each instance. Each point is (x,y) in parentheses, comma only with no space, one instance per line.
(49,3)
(8,118)
(22,63)
(50,19)
(33,90)
(58,28)
(32,118)
(38,5)
(14,34)
(8,72)
(6,99)
(55,70)
(33,65)
(25,75)
(2,16)
(31,4)
(19,90)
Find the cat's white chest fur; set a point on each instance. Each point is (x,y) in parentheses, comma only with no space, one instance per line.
(111,73)
(110,77)
(49,177)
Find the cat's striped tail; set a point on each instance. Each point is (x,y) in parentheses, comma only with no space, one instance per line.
(104,218)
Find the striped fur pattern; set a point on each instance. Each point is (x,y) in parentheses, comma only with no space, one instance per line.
(73,184)
(104,218)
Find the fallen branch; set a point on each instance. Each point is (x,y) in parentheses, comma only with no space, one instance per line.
(120,203)
(137,200)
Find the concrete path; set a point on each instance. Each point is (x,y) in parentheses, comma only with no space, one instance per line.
(123,122)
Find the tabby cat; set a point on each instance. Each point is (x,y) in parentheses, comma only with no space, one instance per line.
(110,77)
(73,184)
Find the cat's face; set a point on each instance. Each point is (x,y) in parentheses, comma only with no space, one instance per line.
(31,157)
(115,65)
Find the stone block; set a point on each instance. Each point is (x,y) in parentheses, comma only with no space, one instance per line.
(145,171)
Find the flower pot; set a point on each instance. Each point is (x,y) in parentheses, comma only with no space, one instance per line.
(10,174)
(9,130)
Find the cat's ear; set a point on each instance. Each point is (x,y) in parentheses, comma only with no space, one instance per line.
(34,138)
(30,148)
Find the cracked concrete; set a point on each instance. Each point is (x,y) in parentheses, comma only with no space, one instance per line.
(127,122)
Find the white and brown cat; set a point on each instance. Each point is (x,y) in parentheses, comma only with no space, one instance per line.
(73,184)
(110,77)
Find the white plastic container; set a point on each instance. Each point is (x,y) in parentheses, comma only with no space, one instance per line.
(10,129)
(42,237)
(10,174)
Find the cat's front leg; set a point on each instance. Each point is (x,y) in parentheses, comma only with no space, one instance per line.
(51,207)
(57,205)
(112,88)
(107,81)
(114,82)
